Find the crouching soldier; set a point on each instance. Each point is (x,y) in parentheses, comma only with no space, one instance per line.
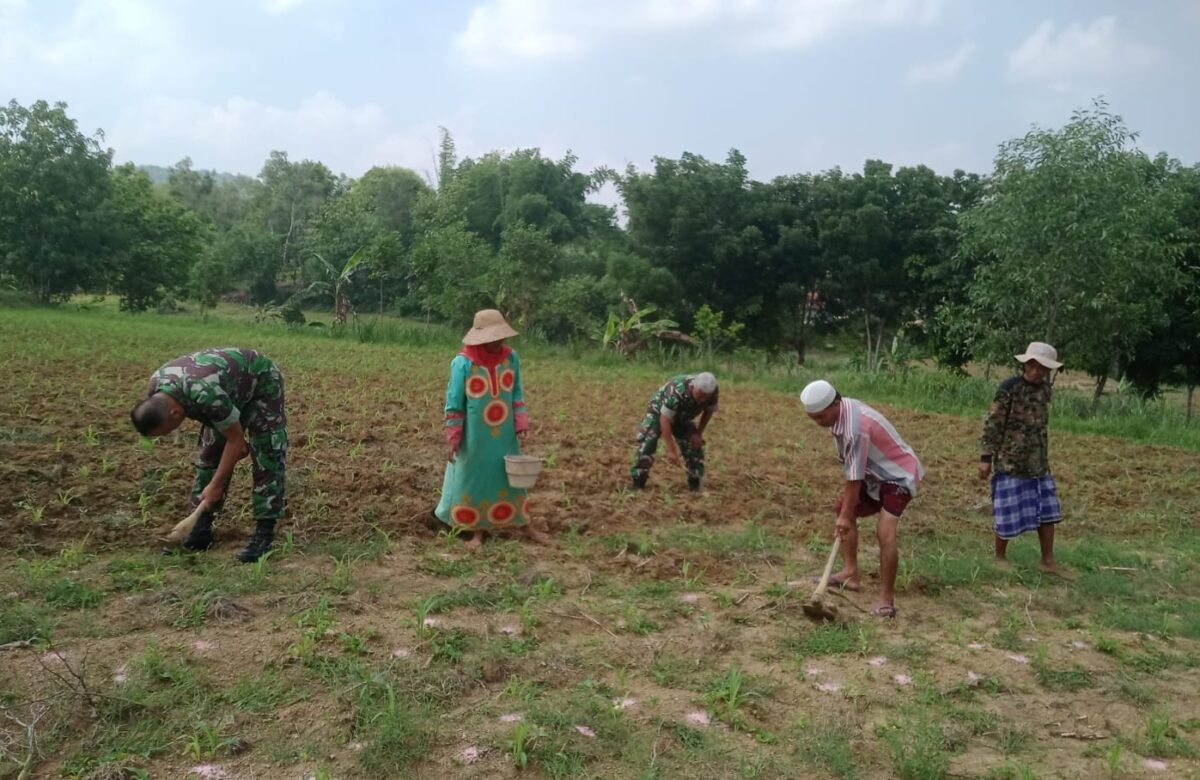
(237,396)
(673,411)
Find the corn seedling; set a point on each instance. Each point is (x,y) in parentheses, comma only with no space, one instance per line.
(206,742)
(691,579)
(35,511)
(520,741)
(421,612)
(144,500)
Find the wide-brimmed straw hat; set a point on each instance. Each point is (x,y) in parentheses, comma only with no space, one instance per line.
(489,326)
(1042,353)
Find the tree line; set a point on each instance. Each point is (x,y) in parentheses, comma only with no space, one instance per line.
(1076,237)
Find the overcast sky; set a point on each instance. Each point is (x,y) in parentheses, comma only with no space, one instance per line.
(797,85)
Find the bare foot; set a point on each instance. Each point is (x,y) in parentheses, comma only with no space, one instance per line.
(1054,570)
(844,580)
(541,537)
(1003,564)
(476,541)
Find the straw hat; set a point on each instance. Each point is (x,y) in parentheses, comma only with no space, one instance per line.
(1042,353)
(817,396)
(489,326)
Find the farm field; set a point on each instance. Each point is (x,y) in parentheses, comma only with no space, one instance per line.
(660,637)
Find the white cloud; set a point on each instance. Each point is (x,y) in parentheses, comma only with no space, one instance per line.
(505,31)
(238,134)
(1060,59)
(940,71)
(280,6)
(134,43)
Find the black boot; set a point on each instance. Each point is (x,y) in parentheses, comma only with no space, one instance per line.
(639,481)
(199,539)
(695,484)
(260,543)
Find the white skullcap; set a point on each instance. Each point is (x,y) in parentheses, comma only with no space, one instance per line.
(817,396)
(705,383)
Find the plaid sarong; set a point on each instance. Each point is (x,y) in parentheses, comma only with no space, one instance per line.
(1020,504)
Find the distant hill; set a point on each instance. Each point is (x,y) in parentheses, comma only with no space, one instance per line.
(159,174)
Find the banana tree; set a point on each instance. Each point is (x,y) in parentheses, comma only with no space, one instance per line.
(629,334)
(338,283)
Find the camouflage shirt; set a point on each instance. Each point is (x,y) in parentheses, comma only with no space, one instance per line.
(1014,433)
(214,386)
(674,401)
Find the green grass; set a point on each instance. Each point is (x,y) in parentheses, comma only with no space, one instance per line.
(917,747)
(397,733)
(823,744)
(262,692)
(1162,738)
(747,540)
(828,639)
(24,621)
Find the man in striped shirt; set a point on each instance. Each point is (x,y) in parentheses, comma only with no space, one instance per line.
(881,472)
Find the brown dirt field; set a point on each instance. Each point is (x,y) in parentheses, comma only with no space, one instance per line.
(367,456)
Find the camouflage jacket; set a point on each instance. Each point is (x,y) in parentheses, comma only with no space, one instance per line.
(214,386)
(675,401)
(1014,433)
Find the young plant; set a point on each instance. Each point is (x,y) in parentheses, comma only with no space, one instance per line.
(691,578)
(521,741)
(206,741)
(35,512)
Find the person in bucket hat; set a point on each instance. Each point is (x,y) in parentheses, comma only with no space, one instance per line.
(486,417)
(1015,454)
(881,474)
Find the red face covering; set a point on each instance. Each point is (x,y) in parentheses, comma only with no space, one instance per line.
(480,356)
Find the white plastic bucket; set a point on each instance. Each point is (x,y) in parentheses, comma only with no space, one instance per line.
(522,470)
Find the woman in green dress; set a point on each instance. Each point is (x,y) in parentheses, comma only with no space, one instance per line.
(485,417)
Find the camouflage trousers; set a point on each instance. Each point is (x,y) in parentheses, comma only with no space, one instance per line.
(265,423)
(648,435)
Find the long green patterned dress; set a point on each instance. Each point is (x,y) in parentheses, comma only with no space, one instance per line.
(485,408)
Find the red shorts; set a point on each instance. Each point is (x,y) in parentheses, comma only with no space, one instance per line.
(892,499)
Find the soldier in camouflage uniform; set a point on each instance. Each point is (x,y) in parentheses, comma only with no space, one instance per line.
(1014,446)
(675,407)
(237,395)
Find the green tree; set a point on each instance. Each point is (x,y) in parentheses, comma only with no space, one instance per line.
(208,280)
(711,333)
(497,191)
(1077,228)
(376,213)
(703,223)
(527,264)
(251,253)
(222,200)
(153,240)
(448,273)
(939,274)
(53,182)
(1170,353)
(292,194)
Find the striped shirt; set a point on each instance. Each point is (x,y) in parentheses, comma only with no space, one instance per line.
(871,450)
